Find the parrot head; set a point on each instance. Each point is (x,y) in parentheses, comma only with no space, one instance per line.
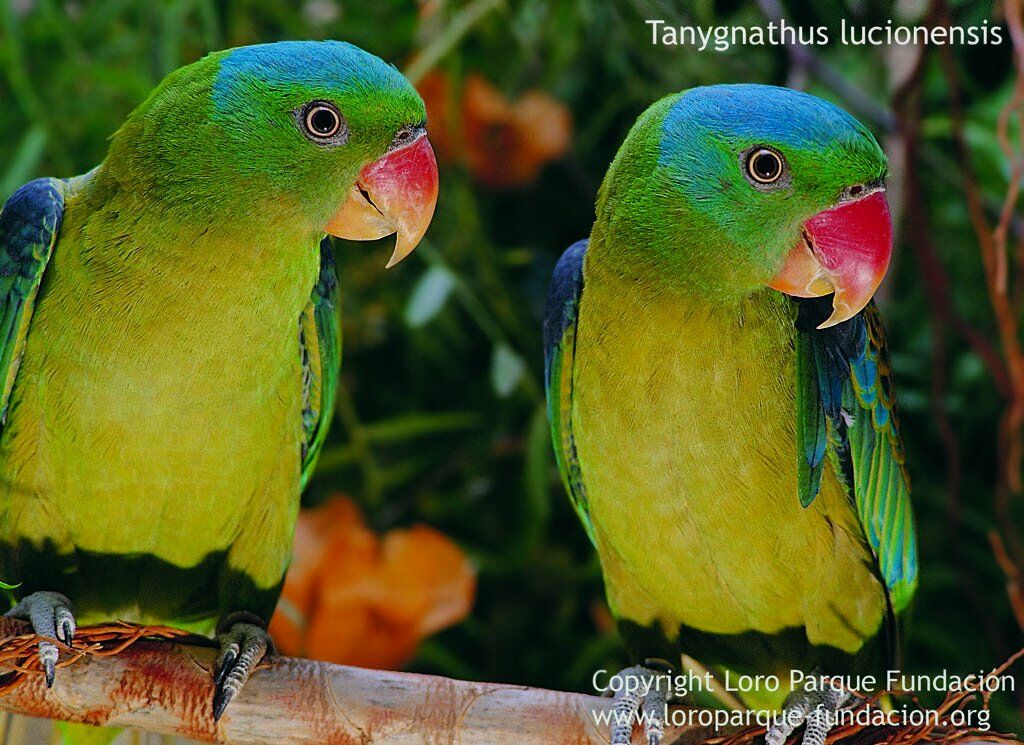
(730,189)
(321,137)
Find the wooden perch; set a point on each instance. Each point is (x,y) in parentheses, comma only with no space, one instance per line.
(165,687)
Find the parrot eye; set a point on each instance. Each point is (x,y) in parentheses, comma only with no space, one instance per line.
(764,166)
(322,123)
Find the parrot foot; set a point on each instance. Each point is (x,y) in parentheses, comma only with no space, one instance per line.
(641,694)
(244,642)
(814,708)
(52,616)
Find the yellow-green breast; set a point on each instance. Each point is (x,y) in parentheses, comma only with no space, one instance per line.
(684,424)
(156,416)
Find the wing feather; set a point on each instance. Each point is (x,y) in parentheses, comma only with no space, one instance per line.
(856,398)
(560,318)
(320,341)
(29,225)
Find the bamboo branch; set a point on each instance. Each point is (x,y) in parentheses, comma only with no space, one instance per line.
(166,687)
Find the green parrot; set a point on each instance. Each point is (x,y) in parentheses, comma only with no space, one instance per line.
(170,340)
(721,401)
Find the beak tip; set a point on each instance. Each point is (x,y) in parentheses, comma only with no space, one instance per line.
(840,314)
(404,246)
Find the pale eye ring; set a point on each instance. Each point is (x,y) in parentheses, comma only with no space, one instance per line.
(321,122)
(765,166)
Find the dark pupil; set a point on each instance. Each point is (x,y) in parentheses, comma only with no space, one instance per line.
(323,122)
(766,166)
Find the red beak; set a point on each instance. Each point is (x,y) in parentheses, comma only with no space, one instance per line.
(395,194)
(844,250)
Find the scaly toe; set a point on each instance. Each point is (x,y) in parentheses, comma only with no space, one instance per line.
(52,616)
(814,708)
(642,695)
(242,649)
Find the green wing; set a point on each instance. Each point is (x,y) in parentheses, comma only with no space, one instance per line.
(879,476)
(320,340)
(29,223)
(846,407)
(559,350)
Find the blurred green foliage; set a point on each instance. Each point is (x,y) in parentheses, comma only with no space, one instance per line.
(441,415)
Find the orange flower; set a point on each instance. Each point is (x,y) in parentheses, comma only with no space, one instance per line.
(357,598)
(504,144)
(436,94)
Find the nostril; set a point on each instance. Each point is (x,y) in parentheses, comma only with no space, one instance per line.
(856,190)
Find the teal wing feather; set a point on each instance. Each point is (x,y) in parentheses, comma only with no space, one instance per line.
(879,478)
(846,406)
(320,341)
(29,224)
(559,351)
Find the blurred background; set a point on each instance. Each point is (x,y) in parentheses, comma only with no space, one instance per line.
(438,536)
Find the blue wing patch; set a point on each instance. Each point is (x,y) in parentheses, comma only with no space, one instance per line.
(29,224)
(560,316)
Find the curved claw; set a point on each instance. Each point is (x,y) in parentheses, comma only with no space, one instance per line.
(225,663)
(48,657)
(53,616)
(65,622)
(242,648)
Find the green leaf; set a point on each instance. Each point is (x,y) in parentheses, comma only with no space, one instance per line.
(411,426)
(429,296)
(507,369)
(537,468)
(26,158)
